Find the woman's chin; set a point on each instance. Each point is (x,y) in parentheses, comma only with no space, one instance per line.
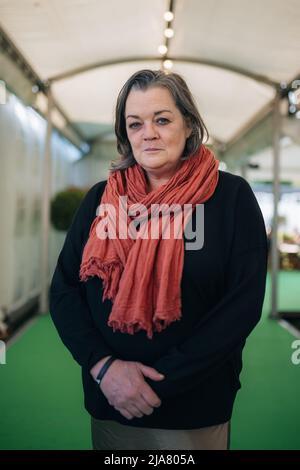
(153,162)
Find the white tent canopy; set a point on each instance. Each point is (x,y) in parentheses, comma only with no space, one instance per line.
(232,53)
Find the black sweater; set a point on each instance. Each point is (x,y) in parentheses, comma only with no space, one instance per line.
(222,288)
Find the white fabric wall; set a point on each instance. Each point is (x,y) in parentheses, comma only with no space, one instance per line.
(22,136)
(94,167)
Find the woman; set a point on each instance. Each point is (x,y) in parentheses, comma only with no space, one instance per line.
(158,324)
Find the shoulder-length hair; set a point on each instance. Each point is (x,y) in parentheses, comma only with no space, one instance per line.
(184,101)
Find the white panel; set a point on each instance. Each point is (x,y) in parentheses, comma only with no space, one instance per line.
(7,200)
(225,100)
(59,35)
(91,96)
(95,166)
(22,134)
(259,36)
(89,99)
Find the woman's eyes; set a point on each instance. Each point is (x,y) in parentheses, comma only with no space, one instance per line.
(164,120)
(135,125)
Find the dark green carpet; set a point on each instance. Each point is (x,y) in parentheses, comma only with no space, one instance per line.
(41,397)
(42,402)
(267,410)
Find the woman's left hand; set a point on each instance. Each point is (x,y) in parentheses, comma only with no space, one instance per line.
(127,391)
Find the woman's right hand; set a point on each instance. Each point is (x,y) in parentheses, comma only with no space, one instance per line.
(127,391)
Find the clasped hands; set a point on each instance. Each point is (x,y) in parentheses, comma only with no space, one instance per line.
(126,390)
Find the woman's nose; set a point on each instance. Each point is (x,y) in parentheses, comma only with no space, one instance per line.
(149,131)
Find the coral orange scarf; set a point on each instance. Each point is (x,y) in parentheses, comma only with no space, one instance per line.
(142,276)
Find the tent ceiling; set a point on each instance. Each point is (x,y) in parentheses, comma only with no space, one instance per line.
(259,36)
(214,101)
(57,36)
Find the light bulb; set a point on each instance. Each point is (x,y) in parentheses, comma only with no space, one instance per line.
(169,32)
(168,64)
(168,16)
(162,49)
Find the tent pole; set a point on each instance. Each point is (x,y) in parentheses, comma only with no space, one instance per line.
(45,210)
(244,170)
(276,195)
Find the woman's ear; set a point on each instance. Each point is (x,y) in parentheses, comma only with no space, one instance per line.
(188,132)
(188,128)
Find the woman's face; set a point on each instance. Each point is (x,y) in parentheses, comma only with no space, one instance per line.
(156,129)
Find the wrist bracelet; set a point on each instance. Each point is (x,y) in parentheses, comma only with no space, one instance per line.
(104,369)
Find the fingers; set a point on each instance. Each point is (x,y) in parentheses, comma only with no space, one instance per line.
(131,411)
(150,396)
(124,413)
(145,407)
(136,410)
(150,372)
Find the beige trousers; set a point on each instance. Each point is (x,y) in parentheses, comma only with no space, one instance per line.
(110,435)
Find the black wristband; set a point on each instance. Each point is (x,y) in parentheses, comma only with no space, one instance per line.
(104,369)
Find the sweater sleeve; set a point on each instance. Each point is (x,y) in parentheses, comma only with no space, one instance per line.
(224,328)
(68,307)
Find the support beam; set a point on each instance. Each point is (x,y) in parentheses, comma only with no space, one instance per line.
(276,194)
(174,58)
(45,211)
(244,170)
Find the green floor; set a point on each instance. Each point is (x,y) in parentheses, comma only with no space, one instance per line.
(41,397)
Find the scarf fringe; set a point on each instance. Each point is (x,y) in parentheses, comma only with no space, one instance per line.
(134,326)
(95,267)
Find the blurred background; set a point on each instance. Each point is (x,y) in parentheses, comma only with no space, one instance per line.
(62,64)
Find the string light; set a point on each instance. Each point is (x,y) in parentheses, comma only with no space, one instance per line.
(169,33)
(168,16)
(162,49)
(168,64)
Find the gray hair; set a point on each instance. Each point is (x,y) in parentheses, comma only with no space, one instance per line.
(184,101)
